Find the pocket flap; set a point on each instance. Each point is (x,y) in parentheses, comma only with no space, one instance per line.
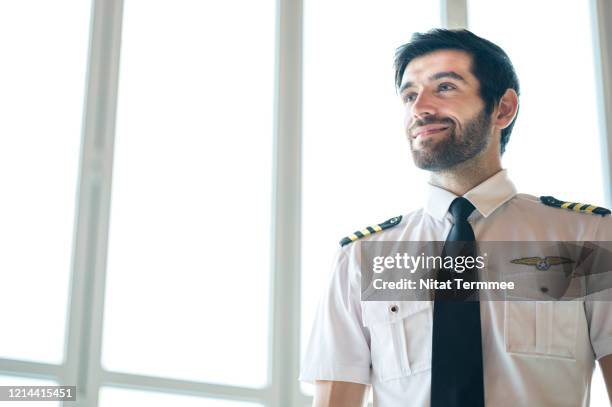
(388,312)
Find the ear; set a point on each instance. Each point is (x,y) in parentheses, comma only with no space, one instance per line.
(506,109)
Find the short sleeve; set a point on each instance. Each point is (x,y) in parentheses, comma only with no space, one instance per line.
(598,306)
(339,345)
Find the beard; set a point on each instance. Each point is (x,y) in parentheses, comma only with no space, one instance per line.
(456,148)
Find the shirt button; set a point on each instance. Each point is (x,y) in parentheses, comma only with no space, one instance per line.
(394,308)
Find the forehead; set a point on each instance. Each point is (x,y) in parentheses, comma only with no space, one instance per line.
(421,68)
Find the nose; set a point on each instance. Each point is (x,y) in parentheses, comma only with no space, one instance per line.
(423,106)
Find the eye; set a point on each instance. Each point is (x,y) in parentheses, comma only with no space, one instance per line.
(443,87)
(409,97)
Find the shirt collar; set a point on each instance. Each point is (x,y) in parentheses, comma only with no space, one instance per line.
(486,196)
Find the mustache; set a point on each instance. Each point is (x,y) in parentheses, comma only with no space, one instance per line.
(431,120)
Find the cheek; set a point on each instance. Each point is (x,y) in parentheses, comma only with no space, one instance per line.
(461,119)
(408,120)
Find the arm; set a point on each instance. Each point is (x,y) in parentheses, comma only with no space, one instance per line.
(343,394)
(338,358)
(605,364)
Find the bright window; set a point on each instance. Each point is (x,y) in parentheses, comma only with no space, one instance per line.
(555,144)
(42,78)
(188,262)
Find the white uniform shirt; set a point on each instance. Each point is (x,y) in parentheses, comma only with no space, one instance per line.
(534,353)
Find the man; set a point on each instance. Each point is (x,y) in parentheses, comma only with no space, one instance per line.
(460,94)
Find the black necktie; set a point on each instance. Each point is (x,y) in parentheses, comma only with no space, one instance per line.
(456,359)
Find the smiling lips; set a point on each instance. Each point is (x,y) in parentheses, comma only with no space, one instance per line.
(428,130)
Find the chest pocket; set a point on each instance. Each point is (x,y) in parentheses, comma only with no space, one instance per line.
(542,328)
(400,337)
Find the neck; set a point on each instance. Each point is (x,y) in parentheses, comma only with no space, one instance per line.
(466,175)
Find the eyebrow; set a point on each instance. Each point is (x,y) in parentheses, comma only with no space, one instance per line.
(436,76)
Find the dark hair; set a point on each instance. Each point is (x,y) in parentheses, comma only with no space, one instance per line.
(490,65)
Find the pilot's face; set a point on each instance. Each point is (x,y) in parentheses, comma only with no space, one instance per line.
(445,117)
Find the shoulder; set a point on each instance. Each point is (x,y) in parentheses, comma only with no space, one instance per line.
(547,203)
(578,220)
(371,230)
(574,206)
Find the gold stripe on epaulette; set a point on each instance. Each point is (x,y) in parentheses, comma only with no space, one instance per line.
(575,206)
(370,230)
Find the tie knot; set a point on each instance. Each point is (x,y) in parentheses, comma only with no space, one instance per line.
(461,209)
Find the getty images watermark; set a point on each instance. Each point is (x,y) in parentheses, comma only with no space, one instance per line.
(541,271)
(412,264)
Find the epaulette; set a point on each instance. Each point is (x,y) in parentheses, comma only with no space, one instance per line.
(574,206)
(371,230)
